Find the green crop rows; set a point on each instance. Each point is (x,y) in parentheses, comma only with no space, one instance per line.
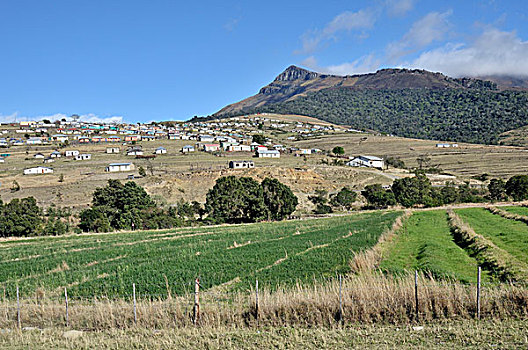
(108,264)
(425,243)
(510,235)
(516,210)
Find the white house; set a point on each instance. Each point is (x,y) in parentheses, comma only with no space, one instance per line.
(268,153)
(60,138)
(367,162)
(39,156)
(113,150)
(241,164)
(206,138)
(71,153)
(55,154)
(38,170)
(160,150)
(34,141)
(211,147)
(239,148)
(187,149)
(49,160)
(2,160)
(114,167)
(135,152)
(83,156)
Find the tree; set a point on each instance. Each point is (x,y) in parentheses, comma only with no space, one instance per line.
(20,217)
(142,171)
(497,189)
(260,139)
(279,199)
(394,162)
(338,150)
(413,191)
(15,187)
(517,187)
(236,200)
(344,198)
(377,197)
(61,178)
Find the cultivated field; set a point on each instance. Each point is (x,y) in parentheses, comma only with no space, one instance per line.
(164,262)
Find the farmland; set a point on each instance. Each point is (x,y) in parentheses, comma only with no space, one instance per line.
(159,261)
(425,243)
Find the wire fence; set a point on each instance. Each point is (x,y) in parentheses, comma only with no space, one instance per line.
(336,301)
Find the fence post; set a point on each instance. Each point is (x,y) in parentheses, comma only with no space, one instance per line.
(256,303)
(196,309)
(67,312)
(341,298)
(478,291)
(416,292)
(134,297)
(19,323)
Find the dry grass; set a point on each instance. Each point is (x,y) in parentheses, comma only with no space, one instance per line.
(368,298)
(370,259)
(507,215)
(498,261)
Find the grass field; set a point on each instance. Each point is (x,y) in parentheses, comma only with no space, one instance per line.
(158,261)
(510,235)
(517,210)
(425,243)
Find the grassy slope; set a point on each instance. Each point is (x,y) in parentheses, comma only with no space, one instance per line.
(516,210)
(425,243)
(509,235)
(274,252)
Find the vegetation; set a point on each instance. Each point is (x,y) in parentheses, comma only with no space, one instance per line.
(469,115)
(338,150)
(517,187)
(278,253)
(20,217)
(377,197)
(425,243)
(344,199)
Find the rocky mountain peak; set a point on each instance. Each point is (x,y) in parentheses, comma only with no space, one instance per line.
(295,73)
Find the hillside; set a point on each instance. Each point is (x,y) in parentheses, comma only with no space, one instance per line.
(408,103)
(295,82)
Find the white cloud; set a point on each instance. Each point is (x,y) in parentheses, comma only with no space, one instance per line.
(344,22)
(89,118)
(494,52)
(365,64)
(399,7)
(10,118)
(432,27)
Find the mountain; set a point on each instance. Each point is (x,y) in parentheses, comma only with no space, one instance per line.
(402,102)
(295,82)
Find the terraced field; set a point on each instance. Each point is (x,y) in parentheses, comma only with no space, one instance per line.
(517,210)
(425,243)
(509,235)
(159,261)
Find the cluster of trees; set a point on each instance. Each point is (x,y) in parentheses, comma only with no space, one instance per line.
(342,200)
(469,115)
(418,191)
(242,199)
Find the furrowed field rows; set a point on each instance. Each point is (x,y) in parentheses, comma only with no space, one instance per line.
(425,243)
(510,235)
(110,263)
(517,210)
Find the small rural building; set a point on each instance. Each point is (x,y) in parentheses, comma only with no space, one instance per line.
(34,141)
(55,154)
(83,156)
(2,160)
(268,153)
(113,150)
(39,156)
(160,150)
(136,151)
(211,147)
(241,164)
(187,149)
(59,138)
(84,139)
(206,138)
(367,162)
(49,160)
(71,153)
(115,167)
(38,170)
(113,139)
(239,148)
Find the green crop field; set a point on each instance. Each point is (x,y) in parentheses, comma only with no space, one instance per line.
(425,243)
(108,264)
(516,210)
(510,235)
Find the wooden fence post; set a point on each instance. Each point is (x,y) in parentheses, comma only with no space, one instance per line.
(134,297)
(341,298)
(19,323)
(67,311)
(256,302)
(478,291)
(196,309)
(416,293)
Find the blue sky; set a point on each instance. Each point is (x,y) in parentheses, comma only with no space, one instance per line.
(171,60)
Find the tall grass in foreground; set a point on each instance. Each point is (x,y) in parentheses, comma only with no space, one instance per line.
(366,298)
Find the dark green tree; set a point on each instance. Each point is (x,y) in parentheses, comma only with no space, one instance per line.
(338,150)
(497,190)
(260,139)
(377,197)
(20,217)
(517,187)
(344,198)
(279,199)
(411,191)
